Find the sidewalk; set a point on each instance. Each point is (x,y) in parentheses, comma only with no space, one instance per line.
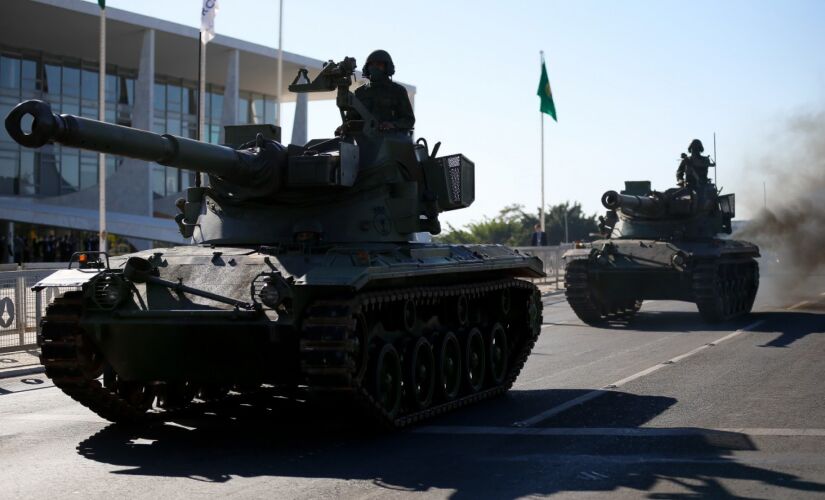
(20,363)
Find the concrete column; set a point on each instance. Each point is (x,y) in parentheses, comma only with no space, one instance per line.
(143,114)
(230,93)
(300,122)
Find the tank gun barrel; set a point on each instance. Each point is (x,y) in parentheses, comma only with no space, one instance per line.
(642,204)
(93,135)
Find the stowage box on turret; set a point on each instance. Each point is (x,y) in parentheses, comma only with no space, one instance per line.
(302,277)
(663,246)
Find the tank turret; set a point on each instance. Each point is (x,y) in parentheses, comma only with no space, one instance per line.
(362,185)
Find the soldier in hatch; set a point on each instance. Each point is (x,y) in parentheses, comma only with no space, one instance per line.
(693,170)
(385,99)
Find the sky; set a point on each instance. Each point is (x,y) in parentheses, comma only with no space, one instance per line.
(633,81)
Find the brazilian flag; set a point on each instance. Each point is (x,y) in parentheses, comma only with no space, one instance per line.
(546,95)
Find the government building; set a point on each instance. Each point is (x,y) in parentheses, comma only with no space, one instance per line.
(49,50)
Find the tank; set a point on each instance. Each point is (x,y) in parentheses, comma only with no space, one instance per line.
(303,277)
(662,246)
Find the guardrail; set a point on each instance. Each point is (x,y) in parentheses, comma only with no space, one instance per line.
(20,307)
(553,264)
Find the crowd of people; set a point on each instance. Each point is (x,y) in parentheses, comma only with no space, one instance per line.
(48,248)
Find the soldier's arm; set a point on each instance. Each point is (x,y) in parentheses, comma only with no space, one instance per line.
(404,116)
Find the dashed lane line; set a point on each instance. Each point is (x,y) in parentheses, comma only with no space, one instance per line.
(588,396)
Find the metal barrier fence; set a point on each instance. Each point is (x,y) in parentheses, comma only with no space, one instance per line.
(20,307)
(553,263)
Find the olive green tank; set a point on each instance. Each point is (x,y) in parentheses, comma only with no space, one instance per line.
(303,277)
(662,246)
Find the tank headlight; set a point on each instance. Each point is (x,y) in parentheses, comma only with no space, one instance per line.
(109,291)
(270,295)
(678,259)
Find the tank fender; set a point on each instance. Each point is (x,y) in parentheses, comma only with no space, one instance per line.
(577,254)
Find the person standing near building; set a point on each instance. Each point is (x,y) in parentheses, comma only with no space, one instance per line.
(539,237)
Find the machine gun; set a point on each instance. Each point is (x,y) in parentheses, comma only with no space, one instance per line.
(339,76)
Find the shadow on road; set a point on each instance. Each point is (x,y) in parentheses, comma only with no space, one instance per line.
(277,438)
(791,326)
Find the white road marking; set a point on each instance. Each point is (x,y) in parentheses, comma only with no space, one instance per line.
(599,392)
(613,431)
(800,304)
(53,417)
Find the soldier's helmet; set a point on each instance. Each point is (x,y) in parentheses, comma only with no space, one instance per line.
(695,146)
(379,56)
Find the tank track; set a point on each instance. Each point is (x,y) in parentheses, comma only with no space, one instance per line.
(726,288)
(587,306)
(72,363)
(333,345)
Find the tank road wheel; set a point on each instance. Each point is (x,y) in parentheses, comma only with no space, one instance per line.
(449,366)
(176,395)
(137,395)
(420,376)
(462,310)
(580,296)
(387,380)
(408,315)
(474,360)
(498,352)
(724,290)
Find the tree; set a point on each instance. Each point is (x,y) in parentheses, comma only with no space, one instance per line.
(513,226)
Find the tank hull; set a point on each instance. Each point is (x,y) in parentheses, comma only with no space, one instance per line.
(609,279)
(347,308)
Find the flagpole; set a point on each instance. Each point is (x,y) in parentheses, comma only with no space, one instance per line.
(101,115)
(541,209)
(201,97)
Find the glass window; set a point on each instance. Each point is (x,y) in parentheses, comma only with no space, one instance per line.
(69,170)
(171,180)
(88,85)
(126,89)
(88,170)
(9,72)
(71,81)
(190,101)
(159,125)
(52,81)
(243,110)
(160,97)
(269,111)
(214,133)
(257,110)
(173,126)
(8,171)
(216,107)
(112,164)
(6,105)
(158,180)
(111,89)
(27,184)
(173,99)
(29,74)
(189,128)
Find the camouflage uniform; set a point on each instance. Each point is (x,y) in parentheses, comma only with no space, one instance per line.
(385,99)
(388,102)
(693,170)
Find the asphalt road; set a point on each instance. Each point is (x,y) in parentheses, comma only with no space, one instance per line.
(664,408)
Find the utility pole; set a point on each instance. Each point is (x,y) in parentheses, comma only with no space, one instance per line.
(101,115)
(279,89)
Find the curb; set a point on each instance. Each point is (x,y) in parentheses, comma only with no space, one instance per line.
(20,372)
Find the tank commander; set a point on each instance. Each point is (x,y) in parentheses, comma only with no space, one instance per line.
(384,98)
(693,170)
